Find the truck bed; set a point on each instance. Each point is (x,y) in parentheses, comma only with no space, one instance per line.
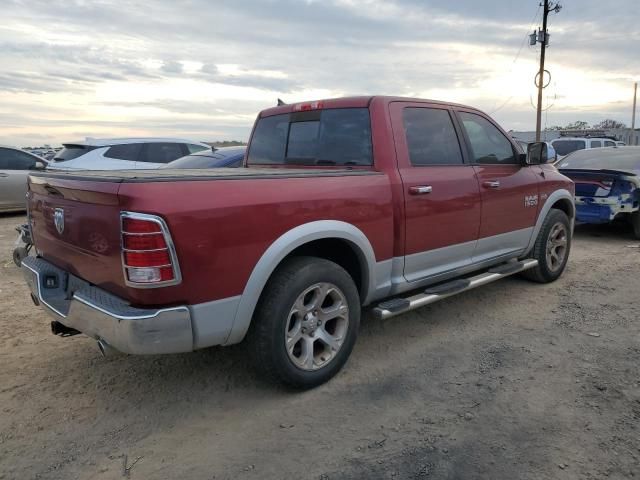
(220,226)
(171,175)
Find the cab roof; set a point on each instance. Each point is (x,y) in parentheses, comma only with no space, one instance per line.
(349,102)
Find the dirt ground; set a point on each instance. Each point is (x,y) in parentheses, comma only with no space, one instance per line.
(510,381)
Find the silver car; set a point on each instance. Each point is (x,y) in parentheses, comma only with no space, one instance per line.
(15,166)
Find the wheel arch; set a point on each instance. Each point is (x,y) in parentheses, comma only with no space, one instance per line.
(560,199)
(567,206)
(320,238)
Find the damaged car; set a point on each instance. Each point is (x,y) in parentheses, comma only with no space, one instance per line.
(607,184)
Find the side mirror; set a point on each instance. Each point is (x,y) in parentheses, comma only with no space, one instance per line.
(537,153)
(39,165)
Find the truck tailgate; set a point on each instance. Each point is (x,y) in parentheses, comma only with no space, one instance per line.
(85,239)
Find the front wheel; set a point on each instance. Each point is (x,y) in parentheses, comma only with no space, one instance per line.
(306,322)
(552,248)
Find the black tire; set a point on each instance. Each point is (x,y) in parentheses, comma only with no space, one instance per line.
(547,272)
(635,222)
(19,253)
(272,319)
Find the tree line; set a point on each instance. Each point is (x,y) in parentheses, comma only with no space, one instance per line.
(608,124)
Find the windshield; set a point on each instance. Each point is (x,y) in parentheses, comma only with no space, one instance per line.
(627,159)
(565,147)
(319,137)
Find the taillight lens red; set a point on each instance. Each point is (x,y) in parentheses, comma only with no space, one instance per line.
(134,225)
(146,255)
(147,259)
(144,242)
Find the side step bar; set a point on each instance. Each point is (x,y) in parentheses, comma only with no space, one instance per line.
(397,306)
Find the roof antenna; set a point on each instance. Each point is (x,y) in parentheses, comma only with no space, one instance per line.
(281,102)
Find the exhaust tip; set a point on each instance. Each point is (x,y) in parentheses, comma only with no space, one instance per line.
(105,349)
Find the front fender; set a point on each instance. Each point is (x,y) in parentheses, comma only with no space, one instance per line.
(553,199)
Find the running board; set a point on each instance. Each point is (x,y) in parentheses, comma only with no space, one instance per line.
(397,306)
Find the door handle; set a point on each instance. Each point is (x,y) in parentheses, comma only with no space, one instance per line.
(420,190)
(491,184)
(4,175)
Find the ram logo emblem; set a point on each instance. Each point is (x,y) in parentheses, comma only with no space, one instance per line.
(58,220)
(530,200)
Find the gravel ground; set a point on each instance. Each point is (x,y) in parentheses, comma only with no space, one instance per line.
(513,380)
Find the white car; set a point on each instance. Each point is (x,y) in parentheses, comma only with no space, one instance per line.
(122,153)
(566,145)
(15,166)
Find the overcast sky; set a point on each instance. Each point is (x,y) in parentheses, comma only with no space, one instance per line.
(202,69)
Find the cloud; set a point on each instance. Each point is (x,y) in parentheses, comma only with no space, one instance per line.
(171,67)
(162,64)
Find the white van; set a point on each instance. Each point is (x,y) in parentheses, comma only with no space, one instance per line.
(566,145)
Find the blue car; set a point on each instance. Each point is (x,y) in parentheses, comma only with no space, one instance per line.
(213,158)
(607,184)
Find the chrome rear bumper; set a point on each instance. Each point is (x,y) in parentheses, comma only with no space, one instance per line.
(103,316)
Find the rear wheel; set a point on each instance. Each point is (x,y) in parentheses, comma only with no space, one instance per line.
(552,248)
(306,323)
(635,221)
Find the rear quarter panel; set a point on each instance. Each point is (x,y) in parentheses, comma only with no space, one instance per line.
(221,228)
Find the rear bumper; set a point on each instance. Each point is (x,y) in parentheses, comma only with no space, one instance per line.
(100,315)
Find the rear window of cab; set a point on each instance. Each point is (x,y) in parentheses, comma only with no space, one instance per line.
(339,136)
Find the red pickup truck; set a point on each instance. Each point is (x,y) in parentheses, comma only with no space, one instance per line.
(386,202)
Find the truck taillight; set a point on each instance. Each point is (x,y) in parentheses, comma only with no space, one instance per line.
(148,254)
(305,107)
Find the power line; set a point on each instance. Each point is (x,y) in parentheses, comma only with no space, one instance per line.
(515,59)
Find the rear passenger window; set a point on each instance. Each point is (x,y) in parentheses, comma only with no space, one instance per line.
(129,151)
(596,144)
(431,137)
(608,143)
(161,152)
(488,144)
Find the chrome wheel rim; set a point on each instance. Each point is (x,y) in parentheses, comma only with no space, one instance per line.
(317,326)
(557,246)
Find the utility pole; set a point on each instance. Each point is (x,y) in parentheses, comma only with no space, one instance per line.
(633,115)
(542,38)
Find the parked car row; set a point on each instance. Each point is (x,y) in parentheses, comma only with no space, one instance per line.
(385,202)
(108,154)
